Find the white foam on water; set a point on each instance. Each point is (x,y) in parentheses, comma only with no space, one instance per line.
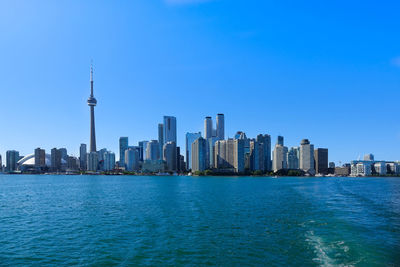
(320,250)
(323,249)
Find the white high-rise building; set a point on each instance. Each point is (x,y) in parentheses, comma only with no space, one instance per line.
(280,157)
(307,156)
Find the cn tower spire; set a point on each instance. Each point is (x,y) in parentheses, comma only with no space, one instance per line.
(92,102)
(91,79)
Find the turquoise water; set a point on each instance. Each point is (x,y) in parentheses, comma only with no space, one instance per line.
(127,220)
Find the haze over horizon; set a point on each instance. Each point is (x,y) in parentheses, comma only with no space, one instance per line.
(329,72)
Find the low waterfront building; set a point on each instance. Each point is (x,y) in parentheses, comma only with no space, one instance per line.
(153,166)
(361,168)
(343,171)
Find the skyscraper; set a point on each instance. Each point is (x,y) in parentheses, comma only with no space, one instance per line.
(280,157)
(169,129)
(109,161)
(64,154)
(132,159)
(199,154)
(92,102)
(307,156)
(56,160)
(266,141)
(142,150)
(153,150)
(293,158)
(208,128)
(92,161)
(256,156)
(229,155)
(169,156)
(190,138)
(40,158)
(220,126)
(321,160)
(280,140)
(161,137)
(12,157)
(83,157)
(123,145)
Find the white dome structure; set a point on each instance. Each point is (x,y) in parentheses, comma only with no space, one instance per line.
(29,160)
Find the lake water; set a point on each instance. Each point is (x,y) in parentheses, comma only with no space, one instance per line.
(134,220)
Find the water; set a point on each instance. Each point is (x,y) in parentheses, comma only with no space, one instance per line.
(127,220)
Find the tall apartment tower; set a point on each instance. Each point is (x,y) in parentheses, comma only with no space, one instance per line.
(220,126)
(132,159)
(40,158)
(161,137)
(190,138)
(12,158)
(109,161)
(293,158)
(266,141)
(256,156)
(208,128)
(169,129)
(142,150)
(199,154)
(280,140)
(169,156)
(123,146)
(280,157)
(321,160)
(307,156)
(153,150)
(83,157)
(55,160)
(92,102)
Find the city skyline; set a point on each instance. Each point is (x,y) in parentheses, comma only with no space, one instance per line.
(290,87)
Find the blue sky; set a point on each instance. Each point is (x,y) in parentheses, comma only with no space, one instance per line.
(327,71)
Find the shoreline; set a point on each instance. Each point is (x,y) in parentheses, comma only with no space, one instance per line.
(197,176)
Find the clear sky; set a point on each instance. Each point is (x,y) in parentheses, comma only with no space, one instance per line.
(328,71)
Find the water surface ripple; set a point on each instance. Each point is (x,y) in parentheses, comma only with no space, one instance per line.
(225,221)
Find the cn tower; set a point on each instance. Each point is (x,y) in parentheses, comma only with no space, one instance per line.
(92,102)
